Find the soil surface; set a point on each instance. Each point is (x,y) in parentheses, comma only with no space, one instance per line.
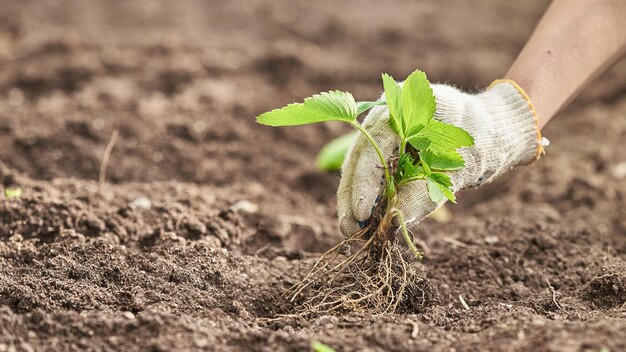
(206,218)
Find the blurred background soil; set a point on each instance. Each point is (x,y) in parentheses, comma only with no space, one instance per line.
(207,218)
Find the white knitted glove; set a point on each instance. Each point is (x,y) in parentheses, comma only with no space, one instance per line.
(505,130)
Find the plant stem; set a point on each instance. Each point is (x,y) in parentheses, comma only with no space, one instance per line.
(389,189)
(405,233)
(411,179)
(427,169)
(402,147)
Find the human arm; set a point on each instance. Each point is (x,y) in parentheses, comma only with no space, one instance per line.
(574,43)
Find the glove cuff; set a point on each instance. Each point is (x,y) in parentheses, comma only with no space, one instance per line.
(514,122)
(506,99)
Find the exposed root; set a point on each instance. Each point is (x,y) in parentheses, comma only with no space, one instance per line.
(375,278)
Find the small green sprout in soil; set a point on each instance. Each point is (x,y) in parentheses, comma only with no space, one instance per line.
(320,347)
(12,193)
(368,269)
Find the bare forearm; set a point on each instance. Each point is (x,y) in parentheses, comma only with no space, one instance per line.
(575,41)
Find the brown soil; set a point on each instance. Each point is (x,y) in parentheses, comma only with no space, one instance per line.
(239,213)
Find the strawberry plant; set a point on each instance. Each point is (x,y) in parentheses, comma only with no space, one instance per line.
(427,151)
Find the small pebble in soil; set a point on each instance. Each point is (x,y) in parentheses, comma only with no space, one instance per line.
(201,342)
(619,171)
(245,206)
(141,203)
(491,239)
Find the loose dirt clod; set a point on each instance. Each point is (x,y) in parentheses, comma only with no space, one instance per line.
(606,291)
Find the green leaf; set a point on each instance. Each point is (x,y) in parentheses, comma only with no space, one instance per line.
(320,347)
(448,193)
(427,156)
(363,106)
(332,154)
(393,96)
(426,166)
(418,103)
(441,179)
(439,186)
(326,106)
(435,193)
(407,168)
(446,161)
(442,138)
(420,143)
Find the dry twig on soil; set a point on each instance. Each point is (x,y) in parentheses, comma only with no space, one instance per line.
(105,158)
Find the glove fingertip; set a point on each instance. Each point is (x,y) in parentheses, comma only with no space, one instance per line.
(364,206)
(348,225)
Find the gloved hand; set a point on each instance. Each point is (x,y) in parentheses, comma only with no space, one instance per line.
(501,120)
